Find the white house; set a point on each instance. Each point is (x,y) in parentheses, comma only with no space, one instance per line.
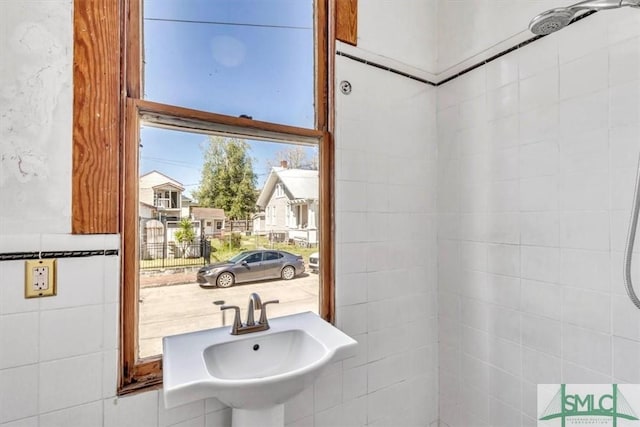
(289,200)
(163,193)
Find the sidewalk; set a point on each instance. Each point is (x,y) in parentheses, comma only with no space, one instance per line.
(175,276)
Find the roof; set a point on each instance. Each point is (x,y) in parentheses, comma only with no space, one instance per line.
(300,184)
(205,213)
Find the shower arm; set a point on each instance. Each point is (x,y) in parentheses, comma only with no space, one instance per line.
(602,5)
(631,237)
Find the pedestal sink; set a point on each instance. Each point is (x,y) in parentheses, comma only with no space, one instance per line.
(256,373)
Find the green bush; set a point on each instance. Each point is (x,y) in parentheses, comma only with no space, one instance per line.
(231,241)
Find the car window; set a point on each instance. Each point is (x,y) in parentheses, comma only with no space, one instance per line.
(270,256)
(257,257)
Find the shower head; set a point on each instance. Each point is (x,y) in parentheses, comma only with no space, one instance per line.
(555,19)
(551,21)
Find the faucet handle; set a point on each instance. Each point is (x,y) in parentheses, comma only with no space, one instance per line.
(237,323)
(263,313)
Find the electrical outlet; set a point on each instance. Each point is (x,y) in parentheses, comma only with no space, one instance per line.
(40,278)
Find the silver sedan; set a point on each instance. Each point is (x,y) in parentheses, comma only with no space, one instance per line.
(250,266)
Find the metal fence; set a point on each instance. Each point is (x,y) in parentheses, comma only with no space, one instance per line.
(163,255)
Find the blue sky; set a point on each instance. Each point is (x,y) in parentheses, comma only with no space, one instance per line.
(261,65)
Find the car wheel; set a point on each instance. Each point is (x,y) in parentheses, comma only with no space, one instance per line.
(225,280)
(288,272)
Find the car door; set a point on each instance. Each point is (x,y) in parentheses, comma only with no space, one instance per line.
(249,268)
(272,263)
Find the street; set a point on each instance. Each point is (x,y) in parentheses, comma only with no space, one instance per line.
(174,309)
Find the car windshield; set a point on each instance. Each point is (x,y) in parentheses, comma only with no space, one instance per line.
(238,257)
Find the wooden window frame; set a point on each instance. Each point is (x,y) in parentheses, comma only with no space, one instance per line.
(107,111)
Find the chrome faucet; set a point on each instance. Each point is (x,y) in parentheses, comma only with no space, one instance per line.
(255,303)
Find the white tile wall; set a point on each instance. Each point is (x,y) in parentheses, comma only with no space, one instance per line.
(564,315)
(533,155)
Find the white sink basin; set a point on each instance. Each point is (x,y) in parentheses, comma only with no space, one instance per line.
(254,371)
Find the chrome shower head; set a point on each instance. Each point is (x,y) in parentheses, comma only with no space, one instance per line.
(551,21)
(556,19)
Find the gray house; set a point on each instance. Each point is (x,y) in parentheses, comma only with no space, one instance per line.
(289,201)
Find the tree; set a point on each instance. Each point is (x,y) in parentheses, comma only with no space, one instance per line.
(185,234)
(228,180)
(296,158)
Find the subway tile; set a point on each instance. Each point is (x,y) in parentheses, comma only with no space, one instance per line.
(537,57)
(578,41)
(539,194)
(73,242)
(578,374)
(221,418)
(541,124)
(587,348)
(624,145)
(540,228)
(68,382)
(625,319)
(80,283)
(585,230)
(18,393)
(20,243)
(504,164)
(539,159)
(624,108)
(70,332)
(540,368)
(540,90)
(541,299)
(12,298)
(18,339)
(501,415)
(139,410)
(300,406)
(504,132)
(24,422)
(506,355)
(584,113)
(587,309)
(502,102)
(475,314)
(585,151)
(626,354)
(541,334)
(502,71)
(585,269)
(585,190)
(173,416)
(193,422)
(587,74)
(624,62)
(540,263)
(503,196)
(88,415)
(503,291)
(505,387)
(503,228)
(504,323)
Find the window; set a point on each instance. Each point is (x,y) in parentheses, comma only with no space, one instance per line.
(108,108)
(140,109)
(279,190)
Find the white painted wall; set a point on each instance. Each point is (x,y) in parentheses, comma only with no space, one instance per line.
(35,116)
(58,356)
(537,160)
(401,34)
